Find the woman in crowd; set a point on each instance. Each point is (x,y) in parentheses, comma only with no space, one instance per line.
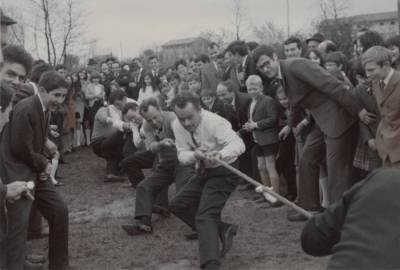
(393,44)
(150,88)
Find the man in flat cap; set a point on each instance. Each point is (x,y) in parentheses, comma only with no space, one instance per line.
(386,87)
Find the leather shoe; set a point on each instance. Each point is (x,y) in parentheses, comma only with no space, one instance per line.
(35,258)
(296,217)
(32,266)
(227,239)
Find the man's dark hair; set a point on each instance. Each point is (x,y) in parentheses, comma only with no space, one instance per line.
(144,106)
(180,62)
(52,80)
(239,47)
(182,99)
(263,50)
(230,85)
(370,39)
(173,76)
(291,40)
(117,95)
(212,45)
(38,70)
(17,54)
(153,57)
(130,106)
(393,41)
(336,57)
(252,45)
(6,95)
(202,58)
(60,66)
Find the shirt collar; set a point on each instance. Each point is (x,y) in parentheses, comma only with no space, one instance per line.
(41,102)
(388,77)
(244,61)
(279,76)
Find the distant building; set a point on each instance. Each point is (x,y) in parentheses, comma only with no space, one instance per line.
(385,23)
(183,49)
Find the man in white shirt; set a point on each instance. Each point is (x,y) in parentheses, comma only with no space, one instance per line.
(201,137)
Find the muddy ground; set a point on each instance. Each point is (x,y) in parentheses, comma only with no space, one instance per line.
(266,240)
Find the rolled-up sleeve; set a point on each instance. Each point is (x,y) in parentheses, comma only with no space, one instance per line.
(185,151)
(233,144)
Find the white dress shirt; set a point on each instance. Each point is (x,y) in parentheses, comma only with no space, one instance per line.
(215,133)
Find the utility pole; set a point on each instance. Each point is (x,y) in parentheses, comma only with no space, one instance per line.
(398,14)
(288,16)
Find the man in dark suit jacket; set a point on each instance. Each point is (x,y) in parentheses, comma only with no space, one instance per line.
(334,109)
(237,104)
(22,157)
(245,65)
(360,230)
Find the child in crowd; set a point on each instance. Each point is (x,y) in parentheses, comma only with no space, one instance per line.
(194,83)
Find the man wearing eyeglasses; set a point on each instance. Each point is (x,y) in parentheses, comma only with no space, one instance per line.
(310,87)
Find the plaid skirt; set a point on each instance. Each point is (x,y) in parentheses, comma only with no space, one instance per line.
(361,159)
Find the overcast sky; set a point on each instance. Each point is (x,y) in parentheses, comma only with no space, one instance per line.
(139,23)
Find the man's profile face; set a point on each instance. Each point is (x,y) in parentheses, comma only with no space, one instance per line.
(62,72)
(375,72)
(292,50)
(134,117)
(189,116)
(268,66)
(13,73)
(224,95)
(153,116)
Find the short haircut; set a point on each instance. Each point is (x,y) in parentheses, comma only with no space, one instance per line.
(146,103)
(336,57)
(208,92)
(180,62)
(393,41)
(212,45)
(52,80)
(370,39)
(6,95)
(263,50)
(202,58)
(377,54)
(117,95)
(238,47)
(317,53)
(58,67)
(230,85)
(38,70)
(184,98)
(153,57)
(194,77)
(17,54)
(291,40)
(252,45)
(130,106)
(173,76)
(254,79)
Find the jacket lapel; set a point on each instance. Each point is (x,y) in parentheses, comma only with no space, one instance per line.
(393,82)
(39,109)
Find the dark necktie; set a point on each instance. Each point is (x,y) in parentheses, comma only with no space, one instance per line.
(200,166)
(382,85)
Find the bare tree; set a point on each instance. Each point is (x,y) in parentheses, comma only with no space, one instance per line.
(60,23)
(239,10)
(221,37)
(269,33)
(334,24)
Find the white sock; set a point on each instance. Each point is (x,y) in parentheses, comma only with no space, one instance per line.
(54,167)
(323,187)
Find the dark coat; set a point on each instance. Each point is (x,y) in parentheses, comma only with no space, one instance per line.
(311,87)
(361,229)
(23,142)
(265,114)
(210,77)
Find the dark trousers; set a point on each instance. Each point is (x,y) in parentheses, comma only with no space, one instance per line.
(199,205)
(155,186)
(339,155)
(54,210)
(135,162)
(110,148)
(285,164)
(309,166)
